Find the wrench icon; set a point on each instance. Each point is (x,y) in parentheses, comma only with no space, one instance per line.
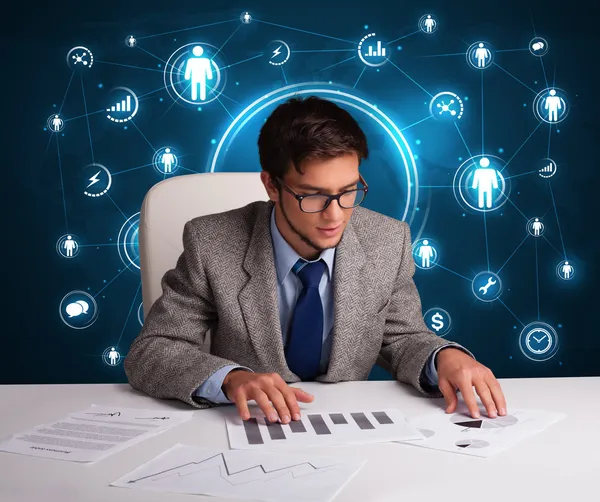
(491,282)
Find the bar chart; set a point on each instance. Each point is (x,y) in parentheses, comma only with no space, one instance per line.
(320,429)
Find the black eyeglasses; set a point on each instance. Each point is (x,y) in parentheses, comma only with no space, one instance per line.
(315,203)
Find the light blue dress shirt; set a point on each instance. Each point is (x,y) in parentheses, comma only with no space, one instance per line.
(289,287)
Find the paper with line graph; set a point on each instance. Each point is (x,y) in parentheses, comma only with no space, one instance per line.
(319,429)
(252,475)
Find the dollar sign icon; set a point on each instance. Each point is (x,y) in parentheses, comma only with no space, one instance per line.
(437,322)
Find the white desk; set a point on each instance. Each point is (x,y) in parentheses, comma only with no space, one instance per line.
(558,464)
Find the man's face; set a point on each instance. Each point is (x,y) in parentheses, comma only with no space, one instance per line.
(305,232)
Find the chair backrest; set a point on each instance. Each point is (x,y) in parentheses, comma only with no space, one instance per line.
(168,205)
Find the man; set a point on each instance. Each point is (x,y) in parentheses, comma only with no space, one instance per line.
(306,286)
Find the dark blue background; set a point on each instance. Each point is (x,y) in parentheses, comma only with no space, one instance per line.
(39,348)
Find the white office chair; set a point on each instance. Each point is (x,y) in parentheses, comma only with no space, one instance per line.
(168,205)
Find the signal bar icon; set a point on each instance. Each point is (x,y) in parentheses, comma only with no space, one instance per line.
(123,106)
(126,108)
(548,170)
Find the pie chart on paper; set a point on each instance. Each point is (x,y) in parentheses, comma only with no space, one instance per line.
(484,423)
(472,443)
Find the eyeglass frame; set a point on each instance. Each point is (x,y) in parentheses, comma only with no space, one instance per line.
(299,198)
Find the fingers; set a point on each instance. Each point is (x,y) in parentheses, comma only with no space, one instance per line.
(497,394)
(466,389)
(486,397)
(262,399)
(302,395)
(449,392)
(242,405)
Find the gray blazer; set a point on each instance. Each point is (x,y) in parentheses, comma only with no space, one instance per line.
(225,281)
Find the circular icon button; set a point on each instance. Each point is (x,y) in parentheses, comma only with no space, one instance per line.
(55,123)
(78,310)
(547,168)
(535,227)
(80,58)
(425,253)
(68,246)
(278,52)
(446,106)
(479,183)
(111,356)
(428,24)
(438,320)
(372,50)
(538,341)
(551,106)
(193,74)
(487,286)
(538,46)
(165,160)
(123,105)
(98,180)
(480,55)
(565,270)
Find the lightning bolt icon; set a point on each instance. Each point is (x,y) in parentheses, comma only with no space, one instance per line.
(276,52)
(94,179)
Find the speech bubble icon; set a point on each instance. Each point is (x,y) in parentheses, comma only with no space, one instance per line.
(74,309)
(84,305)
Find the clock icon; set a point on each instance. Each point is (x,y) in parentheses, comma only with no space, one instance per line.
(538,341)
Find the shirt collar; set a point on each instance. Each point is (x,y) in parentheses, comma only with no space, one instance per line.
(286,257)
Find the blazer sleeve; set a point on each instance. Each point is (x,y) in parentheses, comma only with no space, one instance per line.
(407,343)
(166,359)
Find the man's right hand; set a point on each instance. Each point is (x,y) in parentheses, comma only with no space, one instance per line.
(275,398)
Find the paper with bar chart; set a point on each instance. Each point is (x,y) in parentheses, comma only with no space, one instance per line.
(319,429)
(480,437)
(252,475)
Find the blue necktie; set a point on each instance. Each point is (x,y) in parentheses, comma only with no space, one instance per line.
(305,341)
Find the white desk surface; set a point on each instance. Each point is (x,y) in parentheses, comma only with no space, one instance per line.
(558,464)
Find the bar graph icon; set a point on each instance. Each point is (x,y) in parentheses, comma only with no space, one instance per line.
(316,429)
(125,107)
(377,52)
(548,170)
(372,51)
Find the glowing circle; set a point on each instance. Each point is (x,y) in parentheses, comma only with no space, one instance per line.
(480,185)
(538,341)
(551,105)
(178,74)
(68,246)
(344,97)
(480,55)
(78,310)
(487,286)
(377,53)
(127,242)
(125,107)
(80,57)
(98,180)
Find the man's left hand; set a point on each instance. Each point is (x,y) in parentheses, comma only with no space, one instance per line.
(459,371)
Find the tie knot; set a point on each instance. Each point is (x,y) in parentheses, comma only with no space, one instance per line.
(311,273)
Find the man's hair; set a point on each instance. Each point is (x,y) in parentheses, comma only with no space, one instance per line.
(301,130)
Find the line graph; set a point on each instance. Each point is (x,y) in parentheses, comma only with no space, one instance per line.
(262,475)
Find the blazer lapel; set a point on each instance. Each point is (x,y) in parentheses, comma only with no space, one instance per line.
(258,297)
(349,284)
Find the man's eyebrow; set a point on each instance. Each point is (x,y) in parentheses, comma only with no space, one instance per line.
(310,187)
